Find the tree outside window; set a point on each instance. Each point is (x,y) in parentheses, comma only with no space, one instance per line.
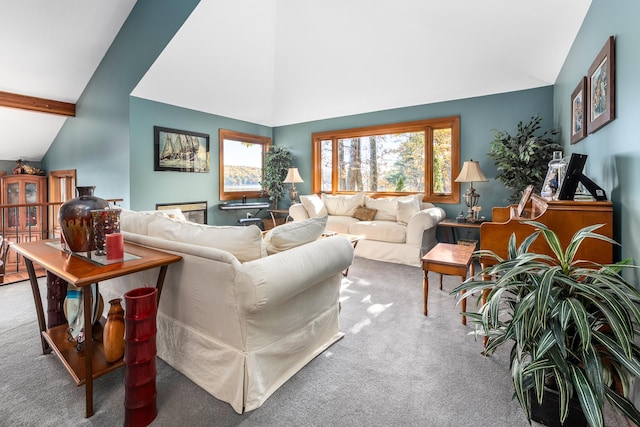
(401,158)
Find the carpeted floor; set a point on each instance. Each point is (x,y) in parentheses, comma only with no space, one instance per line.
(394,367)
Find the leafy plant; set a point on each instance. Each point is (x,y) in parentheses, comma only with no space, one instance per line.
(276,164)
(572,323)
(522,159)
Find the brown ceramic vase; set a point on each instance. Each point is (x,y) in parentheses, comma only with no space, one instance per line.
(113,333)
(76,221)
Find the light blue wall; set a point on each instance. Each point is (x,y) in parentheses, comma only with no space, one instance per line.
(149,187)
(96,141)
(614,150)
(478,116)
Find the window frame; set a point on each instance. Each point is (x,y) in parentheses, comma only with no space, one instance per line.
(224,134)
(427,126)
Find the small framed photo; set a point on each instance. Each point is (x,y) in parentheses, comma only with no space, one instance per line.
(601,87)
(526,195)
(579,111)
(179,150)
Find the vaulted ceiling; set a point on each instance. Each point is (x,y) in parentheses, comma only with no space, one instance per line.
(278,62)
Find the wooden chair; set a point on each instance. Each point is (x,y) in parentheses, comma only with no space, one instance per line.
(4,250)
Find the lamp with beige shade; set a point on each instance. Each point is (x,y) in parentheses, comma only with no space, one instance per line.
(292,177)
(471,173)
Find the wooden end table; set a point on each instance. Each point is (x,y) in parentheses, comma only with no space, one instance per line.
(283,212)
(452,225)
(90,363)
(450,259)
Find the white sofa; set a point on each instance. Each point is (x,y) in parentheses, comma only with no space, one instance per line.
(235,321)
(401,231)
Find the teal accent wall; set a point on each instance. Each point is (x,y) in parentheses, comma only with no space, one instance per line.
(96,141)
(478,116)
(613,150)
(149,187)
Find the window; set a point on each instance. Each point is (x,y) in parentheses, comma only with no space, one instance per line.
(241,164)
(396,159)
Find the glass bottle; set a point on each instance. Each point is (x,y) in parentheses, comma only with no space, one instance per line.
(555,176)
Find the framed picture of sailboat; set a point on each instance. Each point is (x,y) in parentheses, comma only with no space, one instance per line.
(180,151)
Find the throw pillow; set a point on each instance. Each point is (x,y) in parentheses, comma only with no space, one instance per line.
(138,221)
(342,204)
(314,206)
(387,208)
(293,234)
(245,243)
(407,209)
(364,214)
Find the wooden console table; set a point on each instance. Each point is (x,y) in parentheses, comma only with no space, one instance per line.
(84,366)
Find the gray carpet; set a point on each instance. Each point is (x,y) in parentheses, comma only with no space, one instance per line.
(394,367)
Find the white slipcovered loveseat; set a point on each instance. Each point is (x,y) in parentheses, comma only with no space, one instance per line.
(235,321)
(395,229)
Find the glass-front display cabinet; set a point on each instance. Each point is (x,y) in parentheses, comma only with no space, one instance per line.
(21,223)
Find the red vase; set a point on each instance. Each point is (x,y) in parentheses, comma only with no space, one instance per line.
(140,356)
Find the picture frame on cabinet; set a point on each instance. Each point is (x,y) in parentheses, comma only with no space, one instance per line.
(579,111)
(601,88)
(180,150)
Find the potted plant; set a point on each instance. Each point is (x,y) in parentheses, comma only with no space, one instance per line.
(276,164)
(522,159)
(572,324)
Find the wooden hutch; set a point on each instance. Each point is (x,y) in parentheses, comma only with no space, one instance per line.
(22,223)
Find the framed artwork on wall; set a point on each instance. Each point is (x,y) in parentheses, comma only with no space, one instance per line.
(579,111)
(601,87)
(179,150)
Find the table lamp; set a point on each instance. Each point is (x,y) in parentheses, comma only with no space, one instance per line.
(292,177)
(471,172)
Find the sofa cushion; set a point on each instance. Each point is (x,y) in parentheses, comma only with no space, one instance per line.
(384,231)
(340,223)
(294,234)
(364,214)
(245,243)
(138,221)
(388,206)
(314,206)
(342,204)
(407,209)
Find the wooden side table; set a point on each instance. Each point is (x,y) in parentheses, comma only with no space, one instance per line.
(451,225)
(275,212)
(450,259)
(84,366)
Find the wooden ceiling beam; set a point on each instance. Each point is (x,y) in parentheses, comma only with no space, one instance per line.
(31,103)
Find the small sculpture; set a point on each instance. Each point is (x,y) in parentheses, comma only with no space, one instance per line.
(24,168)
(17,169)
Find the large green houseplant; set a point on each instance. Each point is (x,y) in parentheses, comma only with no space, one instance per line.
(276,164)
(523,158)
(572,323)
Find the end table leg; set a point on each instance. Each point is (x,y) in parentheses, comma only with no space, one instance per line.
(37,299)
(425,288)
(88,350)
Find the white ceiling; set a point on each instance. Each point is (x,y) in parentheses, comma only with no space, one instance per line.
(278,62)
